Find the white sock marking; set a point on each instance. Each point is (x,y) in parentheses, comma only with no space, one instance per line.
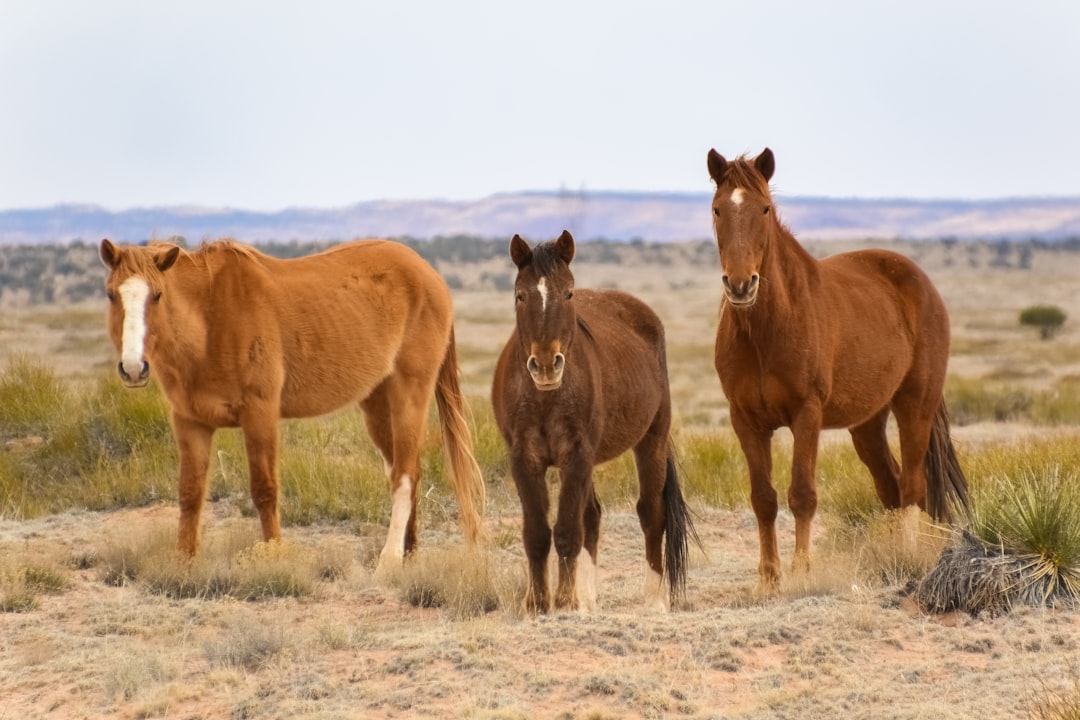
(400,511)
(585,582)
(133,294)
(655,598)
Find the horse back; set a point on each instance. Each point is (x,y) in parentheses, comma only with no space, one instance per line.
(322,331)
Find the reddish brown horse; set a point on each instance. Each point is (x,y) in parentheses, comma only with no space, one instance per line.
(836,343)
(582,380)
(239,339)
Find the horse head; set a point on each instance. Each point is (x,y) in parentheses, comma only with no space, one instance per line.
(543,302)
(134,287)
(743,219)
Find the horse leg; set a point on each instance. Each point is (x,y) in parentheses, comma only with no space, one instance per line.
(575,488)
(757,449)
(260,428)
(586,571)
(914,419)
(194,441)
(376,409)
(872,446)
(650,456)
(532,490)
(802,494)
(408,402)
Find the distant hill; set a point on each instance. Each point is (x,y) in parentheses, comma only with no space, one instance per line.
(620,216)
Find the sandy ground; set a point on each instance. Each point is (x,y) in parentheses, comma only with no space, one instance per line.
(836,647)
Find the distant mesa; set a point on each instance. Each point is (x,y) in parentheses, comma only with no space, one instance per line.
(619,216)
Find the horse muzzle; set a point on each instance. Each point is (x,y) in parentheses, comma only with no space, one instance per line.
(134,377)
(741,294)
(547,377)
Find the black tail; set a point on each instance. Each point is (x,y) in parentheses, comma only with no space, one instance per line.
(680,530)
(946,486)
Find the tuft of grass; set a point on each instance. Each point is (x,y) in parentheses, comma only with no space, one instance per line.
(248,644)
(228,564)
(28,574)
(1054,703)
(713,469)
(974,400)
(465,583)
(32,398)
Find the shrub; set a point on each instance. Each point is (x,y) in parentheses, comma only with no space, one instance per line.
(1048,318)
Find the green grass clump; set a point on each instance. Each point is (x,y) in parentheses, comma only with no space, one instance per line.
(1035,515)
(32,398)
(25,577)
(465,583)
(976,400)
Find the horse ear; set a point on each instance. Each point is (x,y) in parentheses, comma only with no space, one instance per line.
(164,260)
(765,164)
(520,252)
(109,254)
(565,246)
(717,166)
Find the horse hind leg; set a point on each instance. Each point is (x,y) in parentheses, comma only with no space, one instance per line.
(403,405)
(872,446)
(651,458)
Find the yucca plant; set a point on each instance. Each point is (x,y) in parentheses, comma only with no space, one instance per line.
(1022,547)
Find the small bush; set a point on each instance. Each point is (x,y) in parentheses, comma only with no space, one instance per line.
(1047,318)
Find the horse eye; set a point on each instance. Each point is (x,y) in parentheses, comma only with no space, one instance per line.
(765,211)
(157,298)
(569,294)
(111,295)
(520,297)
(716,212)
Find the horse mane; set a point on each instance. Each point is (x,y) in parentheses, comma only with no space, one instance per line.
(217,251)
(545,258)
(741,172)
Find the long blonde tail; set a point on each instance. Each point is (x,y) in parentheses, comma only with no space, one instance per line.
(457,440)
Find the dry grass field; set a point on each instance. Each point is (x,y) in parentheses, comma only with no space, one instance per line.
(303,631)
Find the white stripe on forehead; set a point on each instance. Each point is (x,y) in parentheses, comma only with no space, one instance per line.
(133,294)
(541,287)
(737,196)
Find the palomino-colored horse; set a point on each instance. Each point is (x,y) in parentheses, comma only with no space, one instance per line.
(582,380)
(239,339)
(836,343)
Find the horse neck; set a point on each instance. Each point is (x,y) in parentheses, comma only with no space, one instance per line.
(789,281)
(188,287)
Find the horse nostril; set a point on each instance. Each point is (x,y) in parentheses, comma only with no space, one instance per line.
(753,281)
(145,371)
(120,369)
(533,365)
(560,360)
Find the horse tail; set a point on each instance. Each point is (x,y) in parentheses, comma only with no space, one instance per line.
(679,530)
(946,486)
(465,472)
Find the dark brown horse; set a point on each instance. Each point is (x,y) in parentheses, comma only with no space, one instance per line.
(239,339)
(582,380)
(836,343)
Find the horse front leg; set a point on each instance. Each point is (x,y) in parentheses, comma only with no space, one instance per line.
(802,494)
(575,493)
(193,440)
(757,449)
(261,443)
(528,473)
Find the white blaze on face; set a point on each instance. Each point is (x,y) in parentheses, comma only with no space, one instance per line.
(541,287)
(737,196)
(133,294)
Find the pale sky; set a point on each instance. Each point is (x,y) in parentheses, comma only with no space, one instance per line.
(268,105)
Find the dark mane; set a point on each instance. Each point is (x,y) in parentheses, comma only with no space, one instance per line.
(545,259)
